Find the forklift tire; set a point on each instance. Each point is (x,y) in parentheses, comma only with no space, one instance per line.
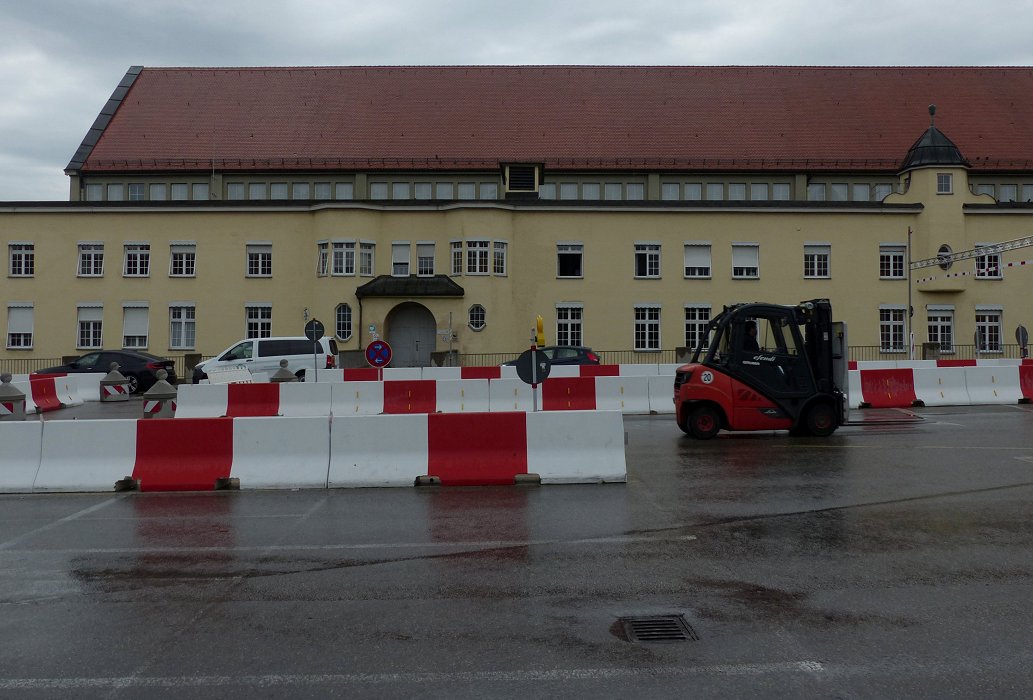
(820,420)
(703,422)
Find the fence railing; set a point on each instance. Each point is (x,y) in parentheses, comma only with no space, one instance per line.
(867,353)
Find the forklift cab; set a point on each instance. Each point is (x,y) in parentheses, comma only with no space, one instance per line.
(763,347)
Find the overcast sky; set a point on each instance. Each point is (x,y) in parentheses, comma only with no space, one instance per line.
(61,59)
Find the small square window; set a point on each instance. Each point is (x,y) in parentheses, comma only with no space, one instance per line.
(944,183)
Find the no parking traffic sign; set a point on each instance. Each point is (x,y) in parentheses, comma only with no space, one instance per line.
(378,353)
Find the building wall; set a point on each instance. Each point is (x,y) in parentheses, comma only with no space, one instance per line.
(608,291)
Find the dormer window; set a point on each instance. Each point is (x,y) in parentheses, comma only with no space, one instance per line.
(944,183)
(522,179)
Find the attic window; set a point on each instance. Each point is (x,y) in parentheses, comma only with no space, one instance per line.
(521,178)
(944,183)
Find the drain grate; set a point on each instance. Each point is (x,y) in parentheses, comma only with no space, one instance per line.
(658,628)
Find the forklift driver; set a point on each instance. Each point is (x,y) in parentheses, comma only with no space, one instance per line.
(749,342)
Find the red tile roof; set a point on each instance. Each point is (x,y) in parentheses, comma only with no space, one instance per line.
(567,117)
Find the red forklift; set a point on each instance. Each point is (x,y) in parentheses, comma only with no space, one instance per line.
(766,367)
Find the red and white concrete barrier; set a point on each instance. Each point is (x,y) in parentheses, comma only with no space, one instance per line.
(253,400)
(661,393)
(357,398)
(462,396)
(625,394)
(477,448)
(990,384)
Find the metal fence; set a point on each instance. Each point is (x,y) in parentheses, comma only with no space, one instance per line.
(866,353)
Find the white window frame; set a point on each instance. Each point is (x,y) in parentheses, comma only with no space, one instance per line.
(322,258)
(698,260)
(21,259)
(891,257)
(817,260)
(401,255)
(570,324)
(892,328)
(940,327)
(477,317)
(456,256)
(182,325)
(182,259)
(367,258)
(988,267)
(744,253)
(647,260)
(90,261)
(136,259)
(573,249)
(258,320)
(424,258)
(89,326)
(477,252)
(343,321)
(259,260)
(135,326)
(647,328)
(989,330)
(697,318)
(500,258)
(342,262)
(21,320)
(944,183)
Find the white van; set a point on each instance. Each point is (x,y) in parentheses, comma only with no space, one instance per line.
(264,355)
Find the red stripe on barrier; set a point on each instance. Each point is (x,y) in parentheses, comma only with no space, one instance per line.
(600,370)
(361,374)
(44,394)
(888,388)
(955,363)
(472,449)
(480,372)
(246,400)
(851,364)
(415,396)
(1026,380)
(183,454)
(568,394)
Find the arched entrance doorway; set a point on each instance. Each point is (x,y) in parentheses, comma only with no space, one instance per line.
(410,332)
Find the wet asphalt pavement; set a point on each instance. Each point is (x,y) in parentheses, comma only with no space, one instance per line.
(893,559)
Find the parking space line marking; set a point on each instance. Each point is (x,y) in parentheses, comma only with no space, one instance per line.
(58,523)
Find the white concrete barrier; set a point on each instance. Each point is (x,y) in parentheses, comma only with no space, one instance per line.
(21,444)
(442,373)
(624,394)
(941,386)
(68,390)
(86,455)
(1002,362)
(377,450)
(661,394)
(89,385)
(877,364)
(638,370)
(668,369)
(508,372)
(281,452)
(908,364)
(512,395)
(855,396)
(402,374)
(357,398)
(202,400)
(462,395)
(993,385)
(304,399)
(570,447)
(565,371)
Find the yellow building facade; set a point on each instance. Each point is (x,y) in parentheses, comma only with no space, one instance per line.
(629,260)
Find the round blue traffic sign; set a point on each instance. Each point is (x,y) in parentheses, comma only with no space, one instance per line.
(378,353)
